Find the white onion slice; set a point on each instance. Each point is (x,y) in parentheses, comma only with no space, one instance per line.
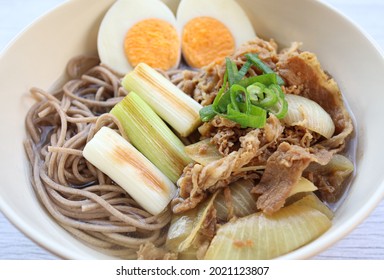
(243,201)
(313,201)
(303,185)
(307,113)
(261,236)
(203,152)
(185,227)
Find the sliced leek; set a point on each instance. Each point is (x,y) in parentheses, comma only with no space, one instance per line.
(307,113)
(151,136)
(261,236)
(132,171)
(203,152)
(175,107)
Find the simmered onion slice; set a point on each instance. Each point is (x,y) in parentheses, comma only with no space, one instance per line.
(307,113)
(260,236)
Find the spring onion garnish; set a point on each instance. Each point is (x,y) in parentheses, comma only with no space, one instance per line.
(248,100)
(254,58)
(151,136)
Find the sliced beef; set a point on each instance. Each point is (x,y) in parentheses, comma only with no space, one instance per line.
(197,180)
(283,170)
(303,70)
(285,151)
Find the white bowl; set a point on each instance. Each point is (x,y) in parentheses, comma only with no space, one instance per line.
(39,55)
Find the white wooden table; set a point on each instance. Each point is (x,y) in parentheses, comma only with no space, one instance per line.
(365,242)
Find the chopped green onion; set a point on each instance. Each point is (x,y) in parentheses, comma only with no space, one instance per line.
(280,109)
(207,113)
(223,102)
(243,70)
(254,58)
(255,119)
(220,93)
(256,89)
(265,79)
(270,98)
(239,97)
(233,94)
(239,93)
(151,136)
(231,71)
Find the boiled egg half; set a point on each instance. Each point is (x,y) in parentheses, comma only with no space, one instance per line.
(134,31)
(211,30)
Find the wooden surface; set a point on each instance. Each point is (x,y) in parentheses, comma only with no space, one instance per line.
(365,242)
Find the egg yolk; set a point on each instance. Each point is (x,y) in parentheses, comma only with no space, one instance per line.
(154,42)
(206,40)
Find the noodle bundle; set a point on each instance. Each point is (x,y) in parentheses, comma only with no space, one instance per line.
(81,198)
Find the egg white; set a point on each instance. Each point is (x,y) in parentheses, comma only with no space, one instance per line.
(227,12)
(122,15)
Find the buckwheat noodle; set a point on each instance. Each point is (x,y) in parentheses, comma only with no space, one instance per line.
(82,199)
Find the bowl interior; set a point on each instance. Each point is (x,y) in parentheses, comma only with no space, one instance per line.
(39,55)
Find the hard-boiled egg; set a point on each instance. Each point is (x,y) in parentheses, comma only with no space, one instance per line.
(135,31)
(211,30)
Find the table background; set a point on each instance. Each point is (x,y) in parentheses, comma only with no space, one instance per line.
(365,242)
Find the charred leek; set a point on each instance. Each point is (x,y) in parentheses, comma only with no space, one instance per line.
(125,165)
(151,136)
(175,107)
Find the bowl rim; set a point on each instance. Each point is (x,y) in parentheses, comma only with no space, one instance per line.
(11,216)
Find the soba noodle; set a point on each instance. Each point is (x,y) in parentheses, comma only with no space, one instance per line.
(82,199)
